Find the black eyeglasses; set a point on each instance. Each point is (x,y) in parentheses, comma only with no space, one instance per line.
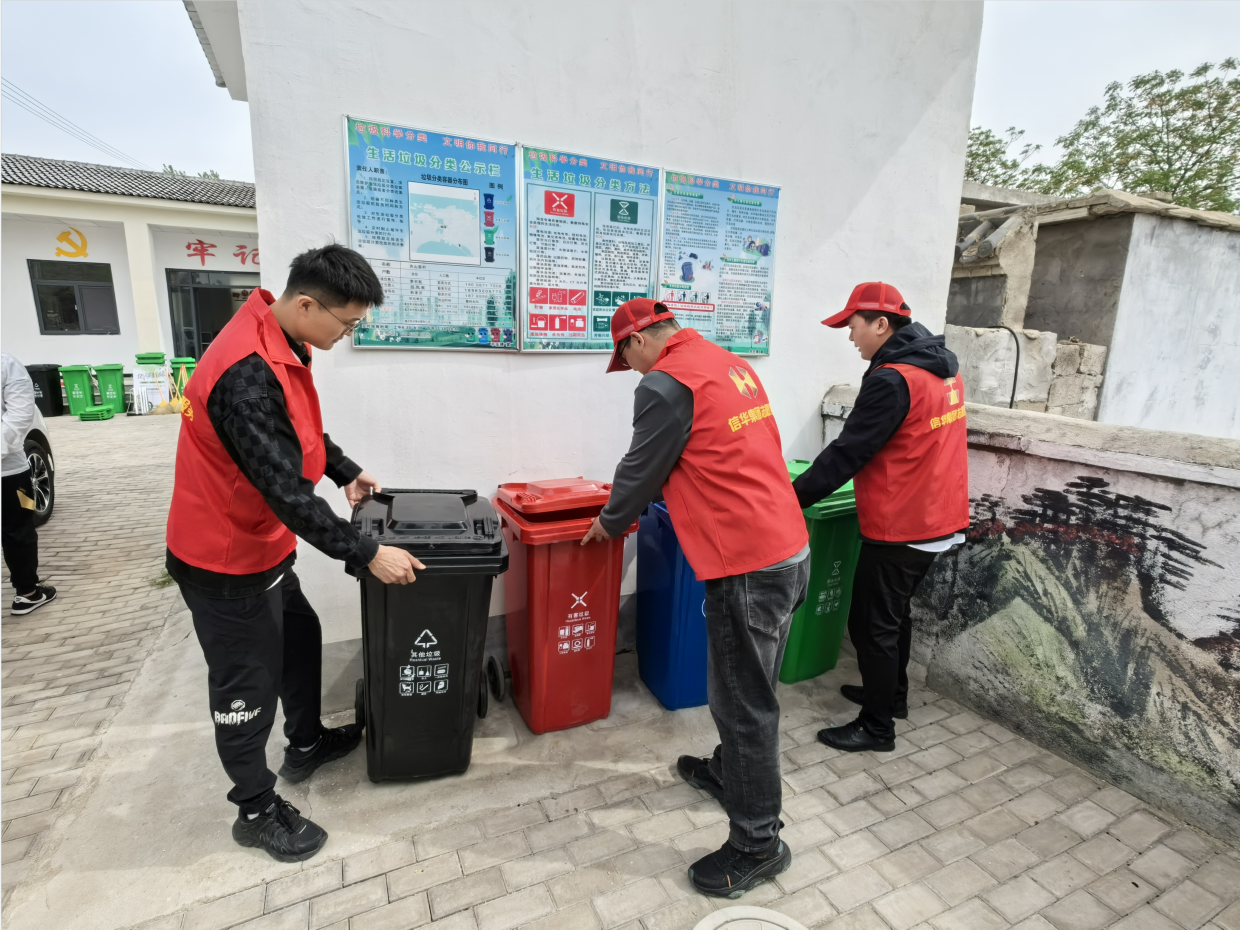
(348,327)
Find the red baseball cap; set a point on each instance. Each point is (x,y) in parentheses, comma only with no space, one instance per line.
(630,317)
(873,295)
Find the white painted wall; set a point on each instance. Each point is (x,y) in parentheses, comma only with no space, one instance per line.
(1175,352)
(35,237)
(169,246)
(858,111)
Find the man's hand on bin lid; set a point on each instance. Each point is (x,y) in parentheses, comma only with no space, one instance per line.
(596,531)
(393,565)
(362,485)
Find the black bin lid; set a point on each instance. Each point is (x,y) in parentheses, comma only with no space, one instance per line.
(452,530)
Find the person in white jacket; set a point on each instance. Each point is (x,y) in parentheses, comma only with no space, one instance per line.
(21,541)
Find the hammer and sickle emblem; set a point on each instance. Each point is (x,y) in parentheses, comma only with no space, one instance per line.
(743,381)
(78,248)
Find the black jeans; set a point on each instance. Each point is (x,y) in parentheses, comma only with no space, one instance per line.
(881,630)
(747,620)
(21,541)
(258,649)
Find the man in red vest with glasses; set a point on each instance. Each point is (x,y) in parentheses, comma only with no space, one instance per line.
(705,441)
(904,448)
(251,450)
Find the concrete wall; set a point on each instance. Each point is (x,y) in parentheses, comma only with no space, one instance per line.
(988,365)
(35,237)
(1096,607)
(858,111)
(1077,274)
(1175,353)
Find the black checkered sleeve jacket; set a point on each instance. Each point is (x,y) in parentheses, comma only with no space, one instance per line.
(248,410)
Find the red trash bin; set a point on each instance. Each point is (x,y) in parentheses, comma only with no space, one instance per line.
(562,600)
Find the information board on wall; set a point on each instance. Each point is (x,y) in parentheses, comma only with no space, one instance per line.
(588,245)
(717,267)
(436,215)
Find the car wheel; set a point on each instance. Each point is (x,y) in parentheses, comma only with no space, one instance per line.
(44,480)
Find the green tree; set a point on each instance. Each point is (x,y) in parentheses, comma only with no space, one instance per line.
(178,173)
(987,160)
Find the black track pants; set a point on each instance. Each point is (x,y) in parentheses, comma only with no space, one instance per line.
(880,627)
(258,649)
(21,541)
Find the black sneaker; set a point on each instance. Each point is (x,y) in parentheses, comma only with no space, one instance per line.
(856,694)
(24,603)
(730,872)
(281,831)
(697,773)
(334,743)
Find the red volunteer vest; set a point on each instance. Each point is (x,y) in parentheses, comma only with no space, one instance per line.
(729,495)
(917,487)
(218,520)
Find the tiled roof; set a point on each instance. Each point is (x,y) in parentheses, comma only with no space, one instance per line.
(128,182)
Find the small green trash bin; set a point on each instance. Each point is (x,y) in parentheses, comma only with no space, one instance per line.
(78,388)
(834,544)
(111,386)
(182,370)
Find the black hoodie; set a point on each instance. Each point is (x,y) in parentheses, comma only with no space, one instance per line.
(882,404)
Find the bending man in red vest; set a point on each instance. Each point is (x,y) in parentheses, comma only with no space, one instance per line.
(704,439)
(904,447)
(251,450)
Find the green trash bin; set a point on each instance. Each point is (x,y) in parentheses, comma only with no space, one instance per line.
(111,386)
(78,388)
(834,544)
(182,369)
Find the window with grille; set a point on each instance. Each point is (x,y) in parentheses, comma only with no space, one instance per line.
(74,297)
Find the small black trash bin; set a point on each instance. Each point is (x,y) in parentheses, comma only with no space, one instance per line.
(47,396)
(423,643)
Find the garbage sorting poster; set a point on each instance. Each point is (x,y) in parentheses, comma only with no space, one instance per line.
(436,215)
(717,268)
(588,245)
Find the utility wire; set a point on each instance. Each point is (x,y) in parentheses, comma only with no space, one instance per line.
(15,94)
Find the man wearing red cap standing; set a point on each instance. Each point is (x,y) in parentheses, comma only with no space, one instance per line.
(704,439)
(903,446)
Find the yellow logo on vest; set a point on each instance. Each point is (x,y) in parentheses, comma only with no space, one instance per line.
(78,248)
(745,417)
(186,409)
(743,381)
(953,396)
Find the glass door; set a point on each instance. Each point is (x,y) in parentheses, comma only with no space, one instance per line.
(201,303)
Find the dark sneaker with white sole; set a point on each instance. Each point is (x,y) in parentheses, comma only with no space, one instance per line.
(856,694)
(281,832)
(697,773)
(334,743)
(24,603)
(730,872)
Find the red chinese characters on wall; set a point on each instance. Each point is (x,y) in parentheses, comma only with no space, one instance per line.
(244,251)
(200,250)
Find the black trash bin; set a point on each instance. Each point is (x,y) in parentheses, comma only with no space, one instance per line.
(47,396)
(423,643)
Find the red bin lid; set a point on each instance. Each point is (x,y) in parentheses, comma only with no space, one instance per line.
(554,494)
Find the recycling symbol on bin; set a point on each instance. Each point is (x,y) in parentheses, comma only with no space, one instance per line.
(425,639)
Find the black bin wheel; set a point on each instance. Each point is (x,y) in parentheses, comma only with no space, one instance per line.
(484,702)
(359,703)
(496,679)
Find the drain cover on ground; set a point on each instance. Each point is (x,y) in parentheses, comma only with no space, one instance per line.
(748,918)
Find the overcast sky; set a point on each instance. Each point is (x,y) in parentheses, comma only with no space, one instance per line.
(132,72)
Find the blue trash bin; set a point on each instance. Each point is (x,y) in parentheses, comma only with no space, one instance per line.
(671,615)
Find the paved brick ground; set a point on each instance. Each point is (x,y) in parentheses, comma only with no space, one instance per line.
(67,666)
(964,827)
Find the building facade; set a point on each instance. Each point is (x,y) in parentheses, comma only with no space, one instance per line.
(101,263)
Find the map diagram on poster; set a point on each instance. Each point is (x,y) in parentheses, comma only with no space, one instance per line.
(588,246)
(717,268)
(436,216)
